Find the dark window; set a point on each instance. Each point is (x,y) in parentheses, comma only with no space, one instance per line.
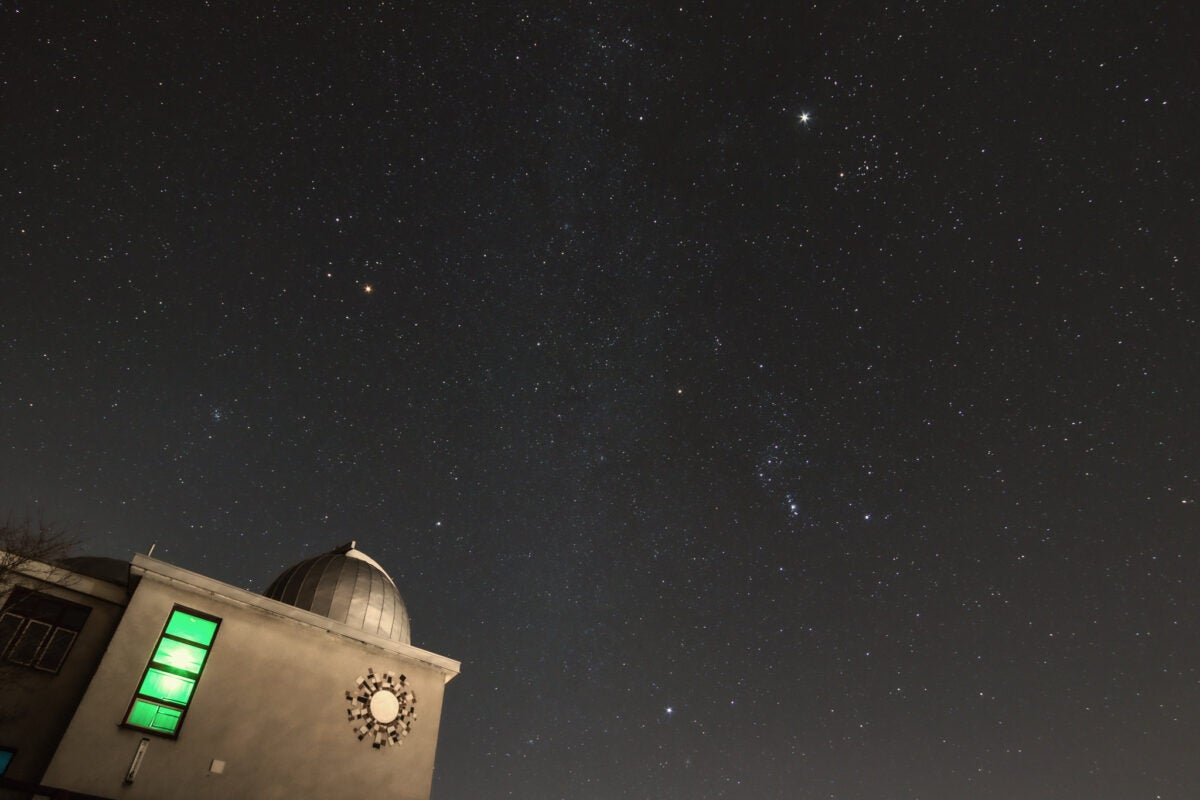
(37,629)
(166,689)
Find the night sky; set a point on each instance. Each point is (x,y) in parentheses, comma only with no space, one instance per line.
(797,401)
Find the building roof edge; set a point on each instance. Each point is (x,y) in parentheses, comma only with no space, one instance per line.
(147,567)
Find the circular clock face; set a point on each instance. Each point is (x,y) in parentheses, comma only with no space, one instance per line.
(385,706)
(382,708)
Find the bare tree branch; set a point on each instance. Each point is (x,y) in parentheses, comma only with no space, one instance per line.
(29,540)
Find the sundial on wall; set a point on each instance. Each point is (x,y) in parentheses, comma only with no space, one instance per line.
(383,708)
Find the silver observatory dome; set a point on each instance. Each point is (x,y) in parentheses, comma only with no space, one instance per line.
(348,586)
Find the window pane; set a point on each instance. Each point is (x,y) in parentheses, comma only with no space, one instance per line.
(56,650)
(18,594)
(40,606)
(153,716)
(5,757)
(190,627)
(179,655)
(165,686)
(73,617)
(28,643)
(25,602)
(8,629)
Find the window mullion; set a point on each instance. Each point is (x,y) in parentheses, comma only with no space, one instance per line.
(169,681)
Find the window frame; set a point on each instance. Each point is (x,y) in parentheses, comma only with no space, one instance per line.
(57,622)
(164,668)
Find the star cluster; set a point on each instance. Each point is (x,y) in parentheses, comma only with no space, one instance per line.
(760,404)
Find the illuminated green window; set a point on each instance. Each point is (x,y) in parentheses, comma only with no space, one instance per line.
(166,689)
(154,716)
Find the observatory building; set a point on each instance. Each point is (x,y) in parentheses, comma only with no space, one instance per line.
(143,680)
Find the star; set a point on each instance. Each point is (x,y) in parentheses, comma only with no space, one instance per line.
(819,469)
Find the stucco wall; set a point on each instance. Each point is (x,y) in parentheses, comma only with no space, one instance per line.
(35,706)
(270,704)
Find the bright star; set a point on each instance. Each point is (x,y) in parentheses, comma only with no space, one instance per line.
(804,117)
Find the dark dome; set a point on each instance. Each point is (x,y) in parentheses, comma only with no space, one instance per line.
(347,586)
(111,570)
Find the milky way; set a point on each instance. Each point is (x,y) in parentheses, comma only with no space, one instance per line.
(778,404)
